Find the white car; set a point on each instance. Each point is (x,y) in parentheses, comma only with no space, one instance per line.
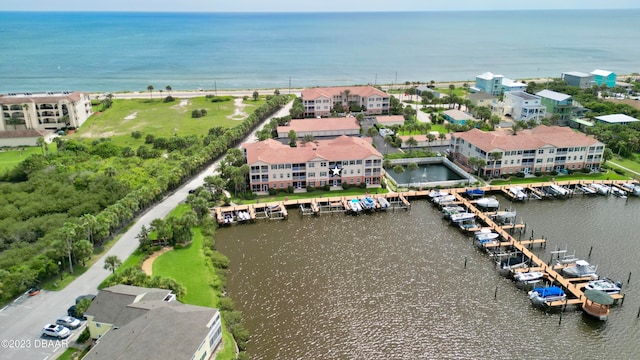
(68,322)
(56,331)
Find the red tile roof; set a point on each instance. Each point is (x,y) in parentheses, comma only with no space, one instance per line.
(325,124)
(390,119)
(329,92)
(535,138)
(341,148)
(18,134)
(40,98)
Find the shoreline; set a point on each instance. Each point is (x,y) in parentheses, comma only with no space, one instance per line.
(188,93)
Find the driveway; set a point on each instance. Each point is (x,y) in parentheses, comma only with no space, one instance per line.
(23,319)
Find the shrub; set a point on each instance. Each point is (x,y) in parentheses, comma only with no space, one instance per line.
(84,336)
(310,189)
(136,134)
(225,304)
(586,170)
(538,173)
(149,139)
(289,189)
(519,174)
(554,173)
(215,99)
(327,187)
(363,185)
(272,191)
(169,99)
(196,114)
(619,171)
(345,186)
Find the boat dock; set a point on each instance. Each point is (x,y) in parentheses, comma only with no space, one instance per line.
(572,286)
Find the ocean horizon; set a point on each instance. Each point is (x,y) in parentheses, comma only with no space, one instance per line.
(127,51)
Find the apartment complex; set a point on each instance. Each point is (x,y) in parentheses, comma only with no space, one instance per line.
(523,106)
(542,149)
(44,111)
(321,127)
(558,104)
(320,102)
(496,85)
(350,160)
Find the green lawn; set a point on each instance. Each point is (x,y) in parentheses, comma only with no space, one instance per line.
(152,116)
(12,157)
(628,163)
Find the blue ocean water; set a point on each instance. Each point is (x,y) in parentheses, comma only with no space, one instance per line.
(129,51)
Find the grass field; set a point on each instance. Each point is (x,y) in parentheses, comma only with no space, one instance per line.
(152,116)
(12,157)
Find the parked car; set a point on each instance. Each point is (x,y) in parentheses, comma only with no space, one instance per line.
(34,291)
(68,322)
(88,296)
(71,311)
(56,331)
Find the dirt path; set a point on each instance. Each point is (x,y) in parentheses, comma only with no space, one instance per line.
(147,265)
(238,112)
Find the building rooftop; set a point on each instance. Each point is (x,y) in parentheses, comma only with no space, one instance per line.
(120,304)
(523,95)
(44,97)
(390,119)
(576,74)
(325,124)
(548,94)
(29,133)
(480,96)
(488,76)
(512,83)
(616,118)
(457,115)
(529,139)
(599,72)
(341,148)
(330,92)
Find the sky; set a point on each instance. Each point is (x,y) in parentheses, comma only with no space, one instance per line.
(306,5)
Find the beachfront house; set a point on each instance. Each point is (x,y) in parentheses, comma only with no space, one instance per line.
(604,78)
(617,119)
(131,322)
(320,127)
(482,99)
(44,111)
(559,106)
(579,79)
(520,105)
(321,102)
(496,85)
(343,160)
(456,117)
(542,149)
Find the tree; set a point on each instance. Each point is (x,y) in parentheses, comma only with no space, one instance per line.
(25,107)
(293,137)
(411,143)
(112,263)
(168,88)
(607,155)
(476,163)
(516,127)
(90,222)
(386,163)
(82,249)
(14,120)
(412,166)
(150,89)
(40,142)
(430,138)
(494,121)
(398,169)
(442,136)
(451,89)
(345,99)
(68,233)
(255,95)
(372,132)
(276,92)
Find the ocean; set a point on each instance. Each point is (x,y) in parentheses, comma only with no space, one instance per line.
(91,51)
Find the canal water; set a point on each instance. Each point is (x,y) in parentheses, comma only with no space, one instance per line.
(393,285)
(424,174)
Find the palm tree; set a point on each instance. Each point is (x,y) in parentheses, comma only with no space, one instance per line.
(346,94)
(25,107)
(40,142)
(112,263)
(91,223)
(495,156)
(14,120)
(411,142)
(412,167)
(150,88)
(398,169)
(168,88)
(430,138)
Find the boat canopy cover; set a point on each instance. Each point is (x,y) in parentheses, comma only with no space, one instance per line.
(475,191)
(549,291)
(599,297)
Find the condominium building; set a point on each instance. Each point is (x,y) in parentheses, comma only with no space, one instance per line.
(523,106)
(558,105)
(345,159)
(542,149)
(579,79)
(44,111)
(496,85)
(320,102)
(321,127)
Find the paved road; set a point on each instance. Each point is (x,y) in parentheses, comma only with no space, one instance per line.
(24,318)
(190,94)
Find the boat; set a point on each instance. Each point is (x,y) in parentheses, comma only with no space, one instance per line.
(632,188)
(581,268)
(504,216)
(228,218)
(474,193)
(243,215)
(607,285)
(488,203)
(597,304)
(436,193)
(485,235)
(510,263)
(459,217)
(528,276)
(545,295)
(587,190)
(518,193)
(558,190)
(384,203)
(447,211)
(600,188)
(444,199)
(618,192)
(355,206)
(368,203)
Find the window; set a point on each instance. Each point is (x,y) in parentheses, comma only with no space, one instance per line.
(551,151)
(281,176)
(280,166)
(323,164)
(274,167)
(540,151)
(359,162)
(323,173)
(287,166)
(352,162)
(311,165)
(312,174)
(538,161)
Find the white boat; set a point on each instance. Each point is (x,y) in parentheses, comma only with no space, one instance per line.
(546,295)
(528,276)
(444,199)
(447,211)
(581,268)
(558,190)
(460,217)
(384,203)
(228,218)
(485,235)
(632,188)
(618,192)
(368,203)
(587,190)
(518,192)
(504,216)
(243,215)
(437,193)
(488,203)
(606,285)
(601,189)
(505,265)
(355,206)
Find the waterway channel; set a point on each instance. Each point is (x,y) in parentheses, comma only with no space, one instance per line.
(393,285)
